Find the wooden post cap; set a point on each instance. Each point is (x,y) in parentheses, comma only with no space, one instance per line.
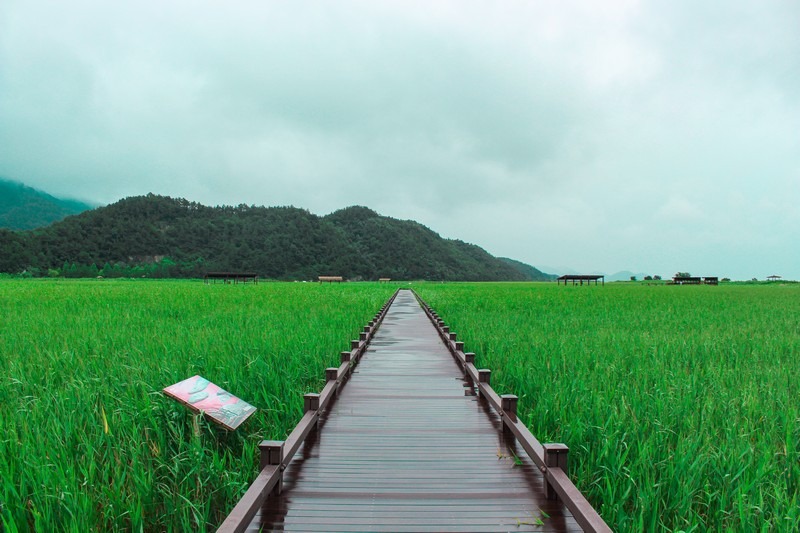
(362,336)
(345,356)
(485,376)
(459,346)
(354,344)
(271,453)
(453,336)
(469,357)
(310,402)
(331,374)
(509,403)
(556,455)
(446,330)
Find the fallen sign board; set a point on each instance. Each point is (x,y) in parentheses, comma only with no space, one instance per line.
(200,395)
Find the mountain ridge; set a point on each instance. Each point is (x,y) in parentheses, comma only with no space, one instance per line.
(160,236)
(25,208)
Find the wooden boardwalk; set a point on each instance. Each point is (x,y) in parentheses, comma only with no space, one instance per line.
(407,446)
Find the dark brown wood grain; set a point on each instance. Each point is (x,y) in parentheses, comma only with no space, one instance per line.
(551,459)
(406,447)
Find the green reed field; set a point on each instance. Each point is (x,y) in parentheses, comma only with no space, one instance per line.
(87,440)
(681,405)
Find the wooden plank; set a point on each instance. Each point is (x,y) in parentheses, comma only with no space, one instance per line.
(405,447)
(582,510)
(525,438)
(327,394)
(247,508)
(298,435)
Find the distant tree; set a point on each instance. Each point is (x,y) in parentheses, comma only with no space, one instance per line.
(725,280)
(657,277)
(648,278)
(683,275)
(633,278)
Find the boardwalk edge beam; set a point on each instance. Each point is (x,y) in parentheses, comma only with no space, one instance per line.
(269,478)
(551,458)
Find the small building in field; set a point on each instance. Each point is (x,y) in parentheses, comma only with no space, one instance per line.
(580,278)
(695,280)
(235,277)
(331,279)
(687,280)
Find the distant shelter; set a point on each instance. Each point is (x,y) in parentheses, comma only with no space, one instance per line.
(695,280)
(331,279)
(578,279)
(687,280)
(235,277)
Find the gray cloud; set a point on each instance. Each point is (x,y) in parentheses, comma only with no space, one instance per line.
(654,136)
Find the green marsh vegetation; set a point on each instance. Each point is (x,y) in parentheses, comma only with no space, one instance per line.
(681,405)
(87,439)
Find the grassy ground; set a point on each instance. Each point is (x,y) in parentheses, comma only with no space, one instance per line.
(88,441)
(681,404)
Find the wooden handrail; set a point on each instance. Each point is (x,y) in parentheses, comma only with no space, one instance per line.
(240,517)
(269,478)
(550,458)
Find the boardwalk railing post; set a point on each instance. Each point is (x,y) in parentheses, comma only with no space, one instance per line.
(509,404)
(271,454)
(469,358)
(310,402)
(484,376)
(459,346)
(345,357)
(555,455)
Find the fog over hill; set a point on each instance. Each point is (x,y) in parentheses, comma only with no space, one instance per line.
(22,207)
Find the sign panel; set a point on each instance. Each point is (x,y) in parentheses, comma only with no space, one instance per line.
(200,395)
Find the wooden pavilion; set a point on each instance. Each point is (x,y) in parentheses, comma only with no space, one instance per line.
(580,278)
(235,277)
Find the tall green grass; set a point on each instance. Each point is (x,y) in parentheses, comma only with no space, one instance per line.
(87,440)
(681,405)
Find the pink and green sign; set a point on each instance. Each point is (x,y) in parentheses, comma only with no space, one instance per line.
(200,395)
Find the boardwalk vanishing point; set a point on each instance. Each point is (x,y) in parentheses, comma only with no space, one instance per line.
(407,445)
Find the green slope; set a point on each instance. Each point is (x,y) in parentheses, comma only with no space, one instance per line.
(531,273)
(276,242)
(22,207)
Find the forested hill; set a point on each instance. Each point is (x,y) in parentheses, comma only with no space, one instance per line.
(528,271)
(22,207)
(160,236)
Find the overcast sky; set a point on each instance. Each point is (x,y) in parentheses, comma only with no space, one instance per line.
(600,136)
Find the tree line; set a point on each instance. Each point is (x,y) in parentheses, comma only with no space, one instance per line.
(158,236)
